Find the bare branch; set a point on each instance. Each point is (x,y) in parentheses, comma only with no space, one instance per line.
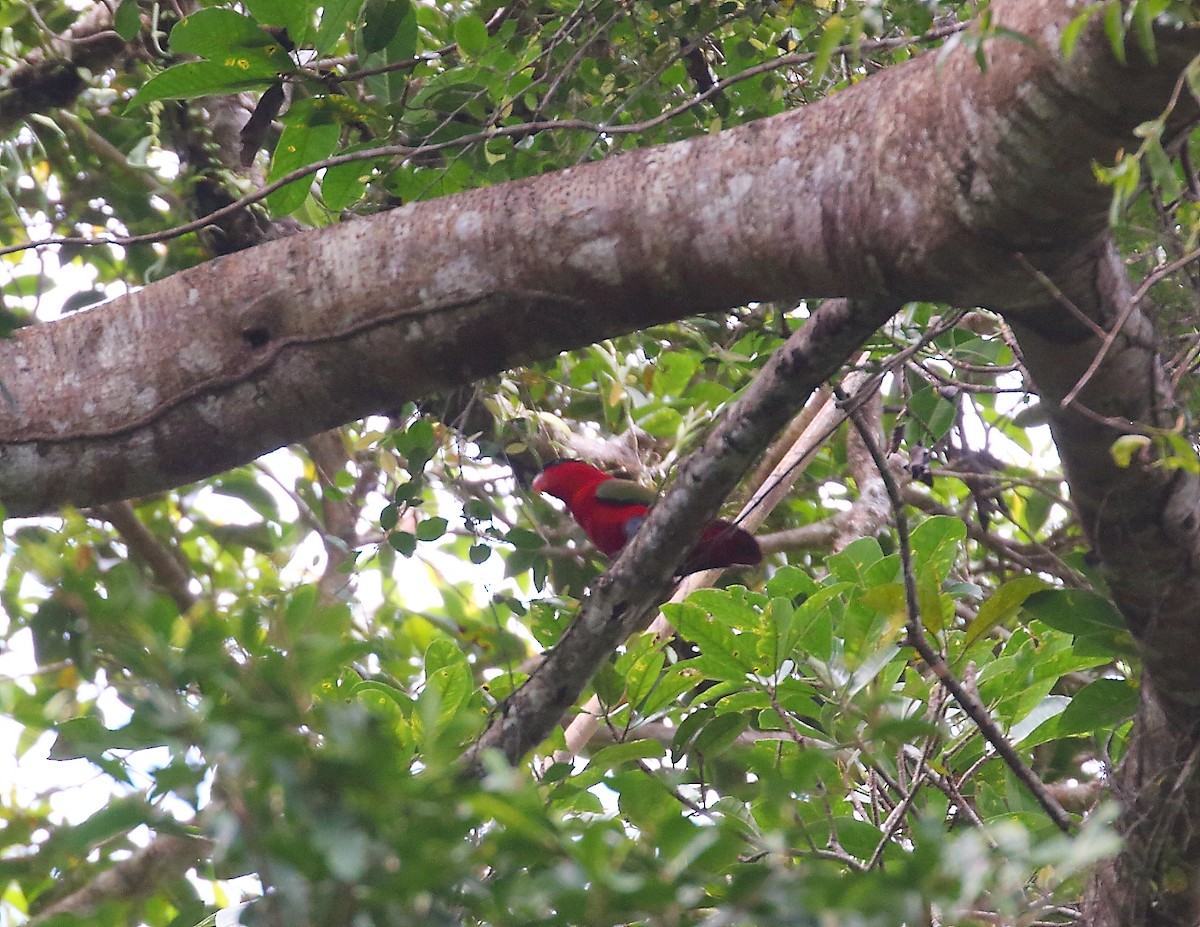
(141,875)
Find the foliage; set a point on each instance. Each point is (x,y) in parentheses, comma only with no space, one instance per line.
(290,658)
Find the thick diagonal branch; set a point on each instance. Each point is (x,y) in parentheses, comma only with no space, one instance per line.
(624,598)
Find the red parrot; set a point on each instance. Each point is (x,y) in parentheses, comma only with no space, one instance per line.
(610,511)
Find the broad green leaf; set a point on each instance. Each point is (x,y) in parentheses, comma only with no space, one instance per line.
(336,17)
(203,78)
(672,371)
(373,689)
(431,529)
(448,686)
(128,20)
(1088,616)
(471,35)
(242,485)
(381,21)
(1002,605)
(854,559)
(609,758)
(524,538)
(936,545)
(403,542)
(297,147)
(792,582)
(1047,709)
(220,34)
(932,415)
(722,654)
(1098,707)
(343,185)
(1144,13)
(719,734)
(294,15)
(115,820)
(834,30)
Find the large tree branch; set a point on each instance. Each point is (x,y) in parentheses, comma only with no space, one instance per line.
(132,879)
(1155,879)
(924,180)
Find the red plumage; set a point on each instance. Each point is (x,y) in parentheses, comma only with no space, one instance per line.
(610,511)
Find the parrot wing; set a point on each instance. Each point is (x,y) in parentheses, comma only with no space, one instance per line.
(624,492)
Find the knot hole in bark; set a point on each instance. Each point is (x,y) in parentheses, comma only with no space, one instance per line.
(256,338)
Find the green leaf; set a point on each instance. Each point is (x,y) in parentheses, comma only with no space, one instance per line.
(390,87)
(1114,28)
(336,17)
(115,820)
(299,146)
(408,492)
(1093,620)
(1076,611)
(855,559)
(1126,446)
(242,485)
(1144,13)
(609,758)
(524,539)
(389,517)
(416,443)
(932,415)
(431,529)
(381,21)
(716,642)
(344,184)
(1001,605)
(128,20)
(294,15)
(87,736)
(448,685)
(471,35)
(202,78)
(219,34)
(792,582)
(660,421)
(479,553)
(1041,724)
(443,653)
(831,36)
(719,734)
(936,545)
(1098,707)
(375,691)
(672,372)
(403,542)
(1071,34)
